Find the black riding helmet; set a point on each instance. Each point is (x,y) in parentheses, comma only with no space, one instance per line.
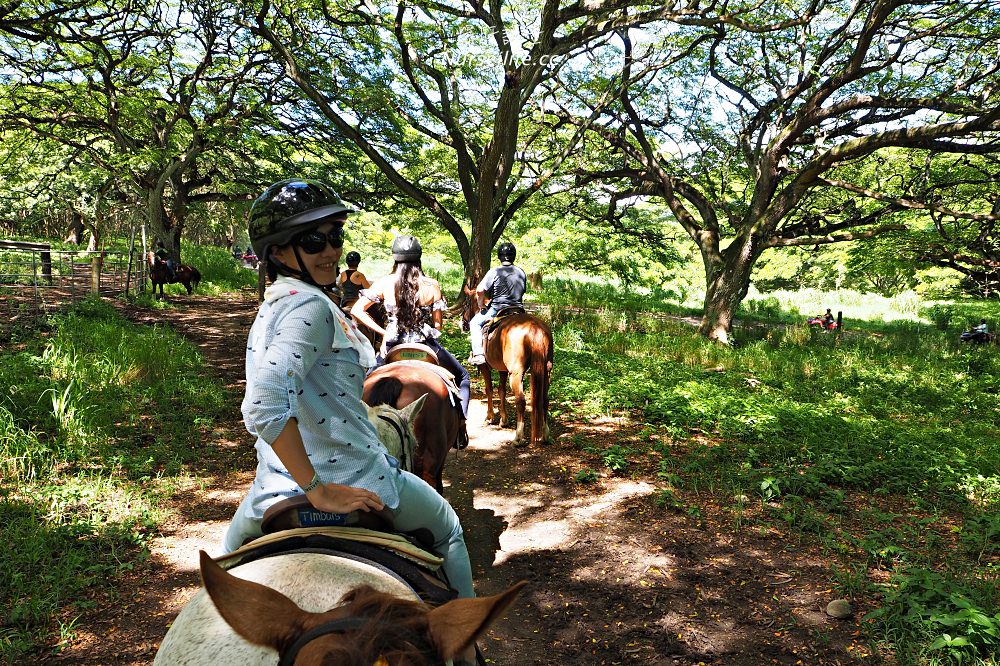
(289,208)
(353,258)
(506,252)
(406,248)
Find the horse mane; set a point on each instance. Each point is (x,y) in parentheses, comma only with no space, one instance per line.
(398,630)
(386,391)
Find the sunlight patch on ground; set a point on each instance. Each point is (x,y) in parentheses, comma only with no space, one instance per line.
(179,551)
(571,518)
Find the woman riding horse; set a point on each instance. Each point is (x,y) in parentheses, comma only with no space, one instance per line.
(415,304)
(305,366)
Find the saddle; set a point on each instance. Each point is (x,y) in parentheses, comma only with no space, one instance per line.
(412,351)
(490,324)
(293,525)
(454,395)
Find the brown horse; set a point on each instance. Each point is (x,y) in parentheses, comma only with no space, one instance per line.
(159,275)
(368,626)
(439,424)
(517,344)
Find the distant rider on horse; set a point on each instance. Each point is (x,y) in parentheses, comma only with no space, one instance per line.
(352,281)
(504,286)
(415,306)
(164,256)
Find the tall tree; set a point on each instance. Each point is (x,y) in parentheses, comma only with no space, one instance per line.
(171,100)
(800,132)
(460,78)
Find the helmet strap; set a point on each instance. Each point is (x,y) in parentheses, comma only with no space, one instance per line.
(305,276)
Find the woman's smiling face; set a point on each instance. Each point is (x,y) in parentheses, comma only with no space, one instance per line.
(322,266)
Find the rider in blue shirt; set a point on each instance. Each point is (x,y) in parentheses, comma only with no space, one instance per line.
(504,286)
(305,368)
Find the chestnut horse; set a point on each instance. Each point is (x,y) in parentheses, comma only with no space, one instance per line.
(159,275)
(309,609)
(518,344)
(438,424)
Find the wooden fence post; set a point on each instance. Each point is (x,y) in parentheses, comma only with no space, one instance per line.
(95,273)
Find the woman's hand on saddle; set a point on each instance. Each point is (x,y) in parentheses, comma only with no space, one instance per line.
(336,498)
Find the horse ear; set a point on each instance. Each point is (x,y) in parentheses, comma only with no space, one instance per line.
(257,613)
(456,625)
(412,410)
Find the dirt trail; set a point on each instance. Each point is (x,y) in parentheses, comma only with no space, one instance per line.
(614,578)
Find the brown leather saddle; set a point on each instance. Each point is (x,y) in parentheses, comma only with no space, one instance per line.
(490,324)
(293,525)
(411,351)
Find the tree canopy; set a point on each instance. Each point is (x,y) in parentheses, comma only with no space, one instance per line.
(751,125)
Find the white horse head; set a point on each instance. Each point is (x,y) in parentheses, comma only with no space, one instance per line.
(257,615)
(395,429)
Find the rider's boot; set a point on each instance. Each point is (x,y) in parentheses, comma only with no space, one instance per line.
(463,436)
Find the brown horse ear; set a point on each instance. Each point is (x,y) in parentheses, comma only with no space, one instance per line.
(257,613)
(456,625)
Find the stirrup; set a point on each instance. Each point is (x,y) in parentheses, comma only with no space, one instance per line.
(463,437)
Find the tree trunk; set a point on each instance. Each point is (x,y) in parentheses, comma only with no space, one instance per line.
(74,234)
(727,280)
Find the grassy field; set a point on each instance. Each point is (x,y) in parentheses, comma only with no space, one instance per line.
(880,444)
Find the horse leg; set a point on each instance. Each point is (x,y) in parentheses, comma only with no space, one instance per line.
(502,387)
(492,417)
(541,371)
(517,388)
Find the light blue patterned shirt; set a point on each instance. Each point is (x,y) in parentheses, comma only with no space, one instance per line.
(303,362)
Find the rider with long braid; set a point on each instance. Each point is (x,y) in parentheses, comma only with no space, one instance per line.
(415,306)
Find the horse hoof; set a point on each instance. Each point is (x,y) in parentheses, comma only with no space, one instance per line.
(520,443)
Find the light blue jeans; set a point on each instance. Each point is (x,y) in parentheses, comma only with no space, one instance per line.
(476,329)
(419,506)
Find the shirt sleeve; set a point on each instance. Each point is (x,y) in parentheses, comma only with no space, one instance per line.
(487,282)
(299,332)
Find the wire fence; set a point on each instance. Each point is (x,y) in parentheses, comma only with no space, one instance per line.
(36,278)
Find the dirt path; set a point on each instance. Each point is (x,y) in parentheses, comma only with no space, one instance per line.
(614,578)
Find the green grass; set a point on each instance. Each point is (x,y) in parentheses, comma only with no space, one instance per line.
(878,446)
(815,426)
(98,417)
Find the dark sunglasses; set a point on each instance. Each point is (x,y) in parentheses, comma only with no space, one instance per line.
(315,241)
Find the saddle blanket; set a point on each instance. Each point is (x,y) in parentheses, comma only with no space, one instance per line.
(449,379)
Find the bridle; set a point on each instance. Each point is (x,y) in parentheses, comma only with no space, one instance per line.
(343,625)
(405,441)
(340,626)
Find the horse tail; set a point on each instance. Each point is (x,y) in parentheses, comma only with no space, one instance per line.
(541,370)
(385,391)
(195,277)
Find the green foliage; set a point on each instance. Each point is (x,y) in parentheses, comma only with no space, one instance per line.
(92,415)
(614,457)
(934,616)
(893,408)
